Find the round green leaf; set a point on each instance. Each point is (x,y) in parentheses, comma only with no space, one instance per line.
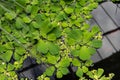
(6,56)
(59,74)
(69,10)
(49,71)
(76,62)
(79,72)
(96,43)
(64,62)
(42,47)
(84,53)
(64,70)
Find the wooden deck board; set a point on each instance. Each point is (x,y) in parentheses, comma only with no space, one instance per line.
(106,49)
(115,39)
(112,11)
(103,20)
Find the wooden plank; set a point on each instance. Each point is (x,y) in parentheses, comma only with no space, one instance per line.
(96,58)
(113,11)
(29,74)
(106,50)
(103,19)
(92,23)
(115,39)
(27,62)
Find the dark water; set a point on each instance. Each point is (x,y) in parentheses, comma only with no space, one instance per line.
(110,65)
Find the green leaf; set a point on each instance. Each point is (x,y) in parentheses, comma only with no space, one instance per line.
(100,72)
(57,31)
(92,50)
(64,70)
(51,37)
(10,15)
(45,27)
(12,73)
(53,48)
(19,50)
(34,11)
(34,2)
(95,29)
(28,8)
(49,71)
(96,43)
(64,62)
(2,48)
(59,74)
(55,8)
(70,41)
(10,67)
(60,16)
(85,69)
(26,19)
(42,47)
(76,62)
(88,63)
(8,45)
(75,52)
(6,56)
(84,53)
(64,24)
(19,23)
(17,56)
(46,78)
(90,74)
(85,26)
(52,59)
(69,10)
(35,24)
(3,77)
(75,34)
(79,72)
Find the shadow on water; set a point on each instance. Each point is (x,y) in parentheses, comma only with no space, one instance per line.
(110,65)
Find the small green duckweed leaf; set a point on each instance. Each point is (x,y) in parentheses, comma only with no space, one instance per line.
(34,2)
(10,15)
(64,62)
(6,56)
(64,70)
(51,37)
(75,52)
(26,19)
(53,49)
(69,10)
(100,72)
(84,53)
(52,59)
(49,71)
(79,72)
(17,56)
(42,47)
(19,23)
(96,43)
(85,69)
(76,62)
(10,67)
(59,74)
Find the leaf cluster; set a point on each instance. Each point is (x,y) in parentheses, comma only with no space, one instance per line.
(54,32)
